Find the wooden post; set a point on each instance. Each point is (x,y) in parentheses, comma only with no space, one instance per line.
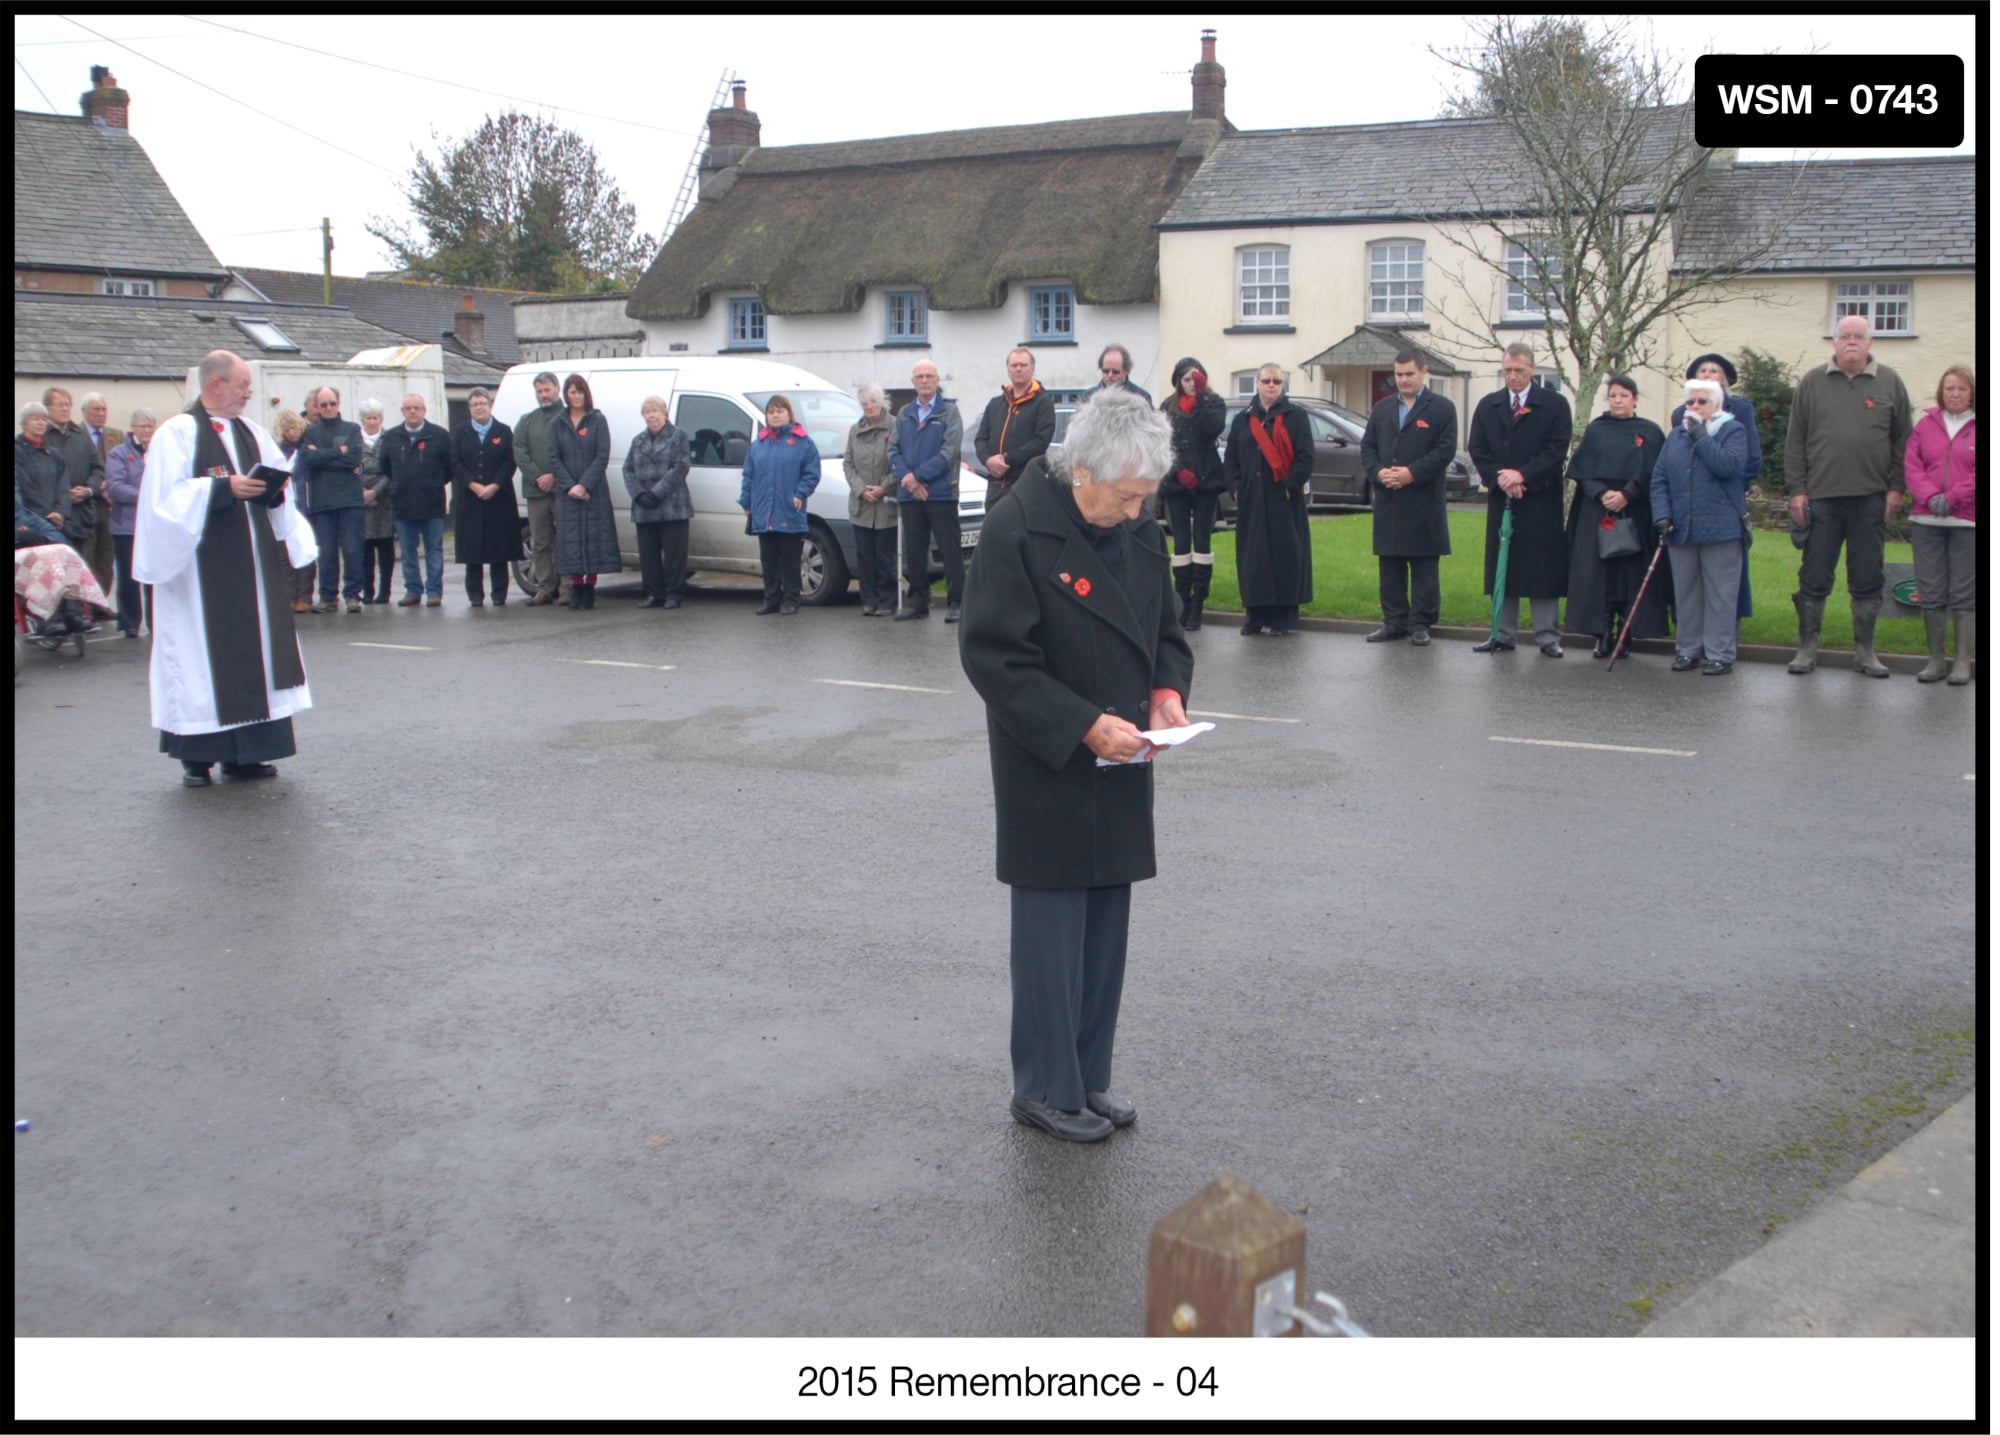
(1208,1256)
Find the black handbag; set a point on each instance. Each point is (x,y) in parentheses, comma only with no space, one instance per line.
(1617,536)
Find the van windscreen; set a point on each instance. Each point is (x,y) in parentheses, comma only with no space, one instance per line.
(826,413)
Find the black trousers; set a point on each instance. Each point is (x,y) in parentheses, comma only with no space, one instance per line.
(475,590)
(378,567)
(780,554)
(875,560)
(920,521)
(1067,963)
(663,557)
(128,596)
(1191,516)
(1410,593)
(1856,522)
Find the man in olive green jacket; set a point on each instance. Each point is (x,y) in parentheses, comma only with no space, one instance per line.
(538,486)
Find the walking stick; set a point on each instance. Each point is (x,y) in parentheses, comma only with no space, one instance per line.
(1618,651)
(902,583)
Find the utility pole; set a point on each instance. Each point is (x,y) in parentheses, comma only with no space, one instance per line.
(326,260)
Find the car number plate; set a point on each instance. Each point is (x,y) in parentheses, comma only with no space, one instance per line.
(969,540)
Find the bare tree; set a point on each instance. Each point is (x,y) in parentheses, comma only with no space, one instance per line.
(1574,195)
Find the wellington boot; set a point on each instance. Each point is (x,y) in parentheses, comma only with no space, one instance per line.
(1864,611)
(1193,619)
(1968,639)
(1935,620)
(1811,611)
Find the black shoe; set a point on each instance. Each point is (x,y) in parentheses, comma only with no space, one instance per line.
(670,601)
(1682,665)
(1251,629)
(904,615)
(1118,1112)
(247,771)
(476,602)
(1552,650)
(1420,636)
(652,602)
(766,607)
(787,608)
(951,613)
(1387,634)
(868,610)
(1493,645)
(1714,669)
(1063,1125)
(1605,643)
(194,774)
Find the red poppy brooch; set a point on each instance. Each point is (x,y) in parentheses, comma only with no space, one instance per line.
(1083,587)
(1423,423)
(1638,440)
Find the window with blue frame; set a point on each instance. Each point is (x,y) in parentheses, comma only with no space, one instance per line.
(909,318)
(1052,313)
(746,323)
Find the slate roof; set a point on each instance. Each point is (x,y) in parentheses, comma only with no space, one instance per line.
(1374,346)
(1407,169)
(86,197)
(960,214)
(1851,214)
(98,336)
(419,312)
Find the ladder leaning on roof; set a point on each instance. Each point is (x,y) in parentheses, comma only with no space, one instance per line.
(691,181)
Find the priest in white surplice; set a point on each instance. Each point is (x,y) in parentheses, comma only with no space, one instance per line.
(219,547)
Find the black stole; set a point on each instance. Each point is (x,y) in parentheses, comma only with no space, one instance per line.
(236,542)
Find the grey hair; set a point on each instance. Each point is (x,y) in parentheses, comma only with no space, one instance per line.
(215,364)
(871,391)
(549,376)
(1519,350)
(371,406)
(94,397)
(1867,324)
(313,397)
(31,410)
(137,414)
(1117,435)
(1705,386)
(652,401)
(1124,356)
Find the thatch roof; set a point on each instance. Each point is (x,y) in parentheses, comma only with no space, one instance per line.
(960,215)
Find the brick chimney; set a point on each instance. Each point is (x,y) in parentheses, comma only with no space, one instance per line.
(104,103)
(470,326)
(733,127)
(1208,81)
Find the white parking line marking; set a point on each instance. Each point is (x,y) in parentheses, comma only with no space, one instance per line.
(885,687)
(1238,717)
(1595,746)
(394,647)
(609,663)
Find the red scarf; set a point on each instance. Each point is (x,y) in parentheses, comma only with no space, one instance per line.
(1276,445)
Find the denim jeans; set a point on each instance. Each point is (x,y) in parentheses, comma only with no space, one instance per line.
(430,532)
(338,532)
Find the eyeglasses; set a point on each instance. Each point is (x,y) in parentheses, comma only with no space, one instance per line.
(1111,373)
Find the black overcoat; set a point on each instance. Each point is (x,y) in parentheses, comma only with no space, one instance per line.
(484,530)
(1410,522)
(1273,538)
(1536,443)
(1195,436)
(1050,640)
(1615,454)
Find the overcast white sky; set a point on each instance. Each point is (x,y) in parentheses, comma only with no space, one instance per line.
(638,89)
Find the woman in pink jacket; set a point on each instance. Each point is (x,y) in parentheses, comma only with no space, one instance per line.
(1941,468)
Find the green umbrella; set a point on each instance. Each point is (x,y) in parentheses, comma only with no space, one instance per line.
(1500,566)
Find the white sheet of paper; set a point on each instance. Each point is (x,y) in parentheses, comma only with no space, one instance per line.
(1163,737)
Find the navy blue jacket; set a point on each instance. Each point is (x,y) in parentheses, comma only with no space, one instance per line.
(1745,413)
(929,450)
(1699,485)
(335,477)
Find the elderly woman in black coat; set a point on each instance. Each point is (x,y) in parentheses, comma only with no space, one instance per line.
(1613,469)
(1193,487)
(486,519)
(1071,639)
(1268,463)
(586,525)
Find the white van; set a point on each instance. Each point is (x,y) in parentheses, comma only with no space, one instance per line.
(719,401)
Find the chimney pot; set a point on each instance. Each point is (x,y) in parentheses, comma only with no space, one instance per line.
(104,103)
(1209,81)
(738,96)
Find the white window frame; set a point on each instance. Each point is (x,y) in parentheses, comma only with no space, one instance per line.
(1524,286)
(749,326)
(1264,284)
(1243,384)
(1396,279)
(1872,299)
(130,288)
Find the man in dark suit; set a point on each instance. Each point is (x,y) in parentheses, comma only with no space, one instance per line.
(1410,441)
(1520,442)
(417,460)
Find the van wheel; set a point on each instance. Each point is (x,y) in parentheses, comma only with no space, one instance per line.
(822,571)
(524,579)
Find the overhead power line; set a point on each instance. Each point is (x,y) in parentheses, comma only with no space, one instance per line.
(31,80)
(450,84)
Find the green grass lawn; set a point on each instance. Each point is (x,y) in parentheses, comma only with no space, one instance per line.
(1344,583)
